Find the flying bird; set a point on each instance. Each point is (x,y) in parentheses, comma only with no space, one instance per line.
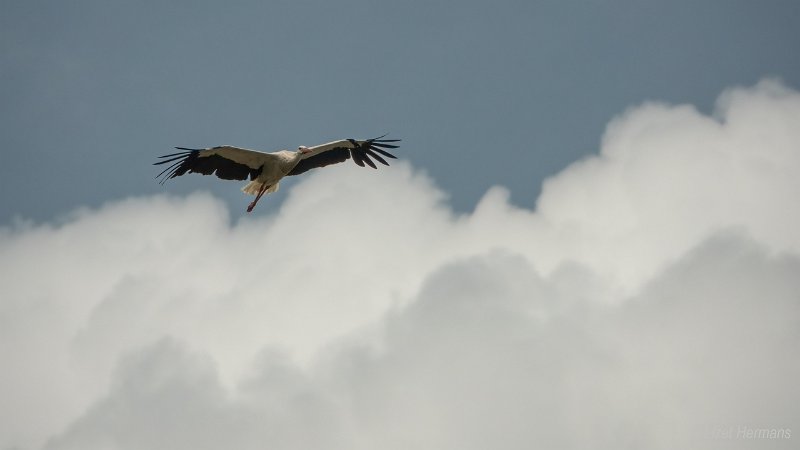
(265,170)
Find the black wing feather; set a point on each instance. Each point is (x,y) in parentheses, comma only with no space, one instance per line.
(382,145)
(333,156)
(191,161)
(360,154)
(383,152)
(376,156)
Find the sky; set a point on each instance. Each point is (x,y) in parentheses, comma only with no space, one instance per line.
(482,93)
(588,240)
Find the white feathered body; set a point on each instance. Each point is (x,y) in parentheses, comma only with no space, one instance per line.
(272,173)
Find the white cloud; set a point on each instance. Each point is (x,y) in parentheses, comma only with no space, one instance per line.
(650,299)
(668,177)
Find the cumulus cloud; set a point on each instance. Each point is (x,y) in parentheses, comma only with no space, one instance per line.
(649,301)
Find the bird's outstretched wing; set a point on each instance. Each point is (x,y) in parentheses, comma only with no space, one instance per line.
(226,162)
(340,151)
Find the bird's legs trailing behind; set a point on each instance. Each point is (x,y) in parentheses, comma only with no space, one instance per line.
(258,196)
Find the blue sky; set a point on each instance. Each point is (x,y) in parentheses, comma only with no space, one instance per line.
(483,93)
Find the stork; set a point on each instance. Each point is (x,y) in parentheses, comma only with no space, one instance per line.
(265,170)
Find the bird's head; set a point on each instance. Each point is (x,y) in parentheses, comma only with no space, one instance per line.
(303,150)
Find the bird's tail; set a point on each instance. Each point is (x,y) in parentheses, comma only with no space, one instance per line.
(254,187)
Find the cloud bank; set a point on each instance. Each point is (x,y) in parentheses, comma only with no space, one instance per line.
(651,300)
